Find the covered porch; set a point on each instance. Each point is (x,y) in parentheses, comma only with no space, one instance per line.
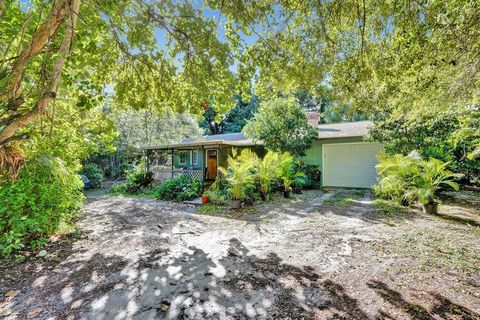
(168,163)
(198,158)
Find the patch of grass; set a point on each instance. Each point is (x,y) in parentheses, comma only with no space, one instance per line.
(342,199)
(210,208)
(440,249)
(386,206)
(468,198)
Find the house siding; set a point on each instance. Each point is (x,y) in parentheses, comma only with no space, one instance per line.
(314,155)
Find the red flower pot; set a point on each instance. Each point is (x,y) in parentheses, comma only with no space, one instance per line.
(204,199)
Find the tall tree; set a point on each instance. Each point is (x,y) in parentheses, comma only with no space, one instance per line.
(282,126)
(234,120)
(49,46)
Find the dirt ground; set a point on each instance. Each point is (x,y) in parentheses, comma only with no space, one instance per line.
(333,255)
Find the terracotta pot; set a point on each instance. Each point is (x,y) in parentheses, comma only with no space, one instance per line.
(265,196)
(204,199)
(235,204)
(430,208)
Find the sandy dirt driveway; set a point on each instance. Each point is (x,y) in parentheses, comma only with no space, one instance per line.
(318,256)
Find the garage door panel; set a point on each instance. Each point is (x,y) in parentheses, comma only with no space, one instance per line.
(350,165)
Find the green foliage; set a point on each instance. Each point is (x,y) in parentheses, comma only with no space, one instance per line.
(46,193)
(312,174)
(138,179)
(451,136)
(233,121)
(122,170)
(406,179)
(267,170)
(94,174)
(289,174)
(329,110)
(178,189)
(216,196)
(119,188)
(239,173)
(247,170)
(282,126)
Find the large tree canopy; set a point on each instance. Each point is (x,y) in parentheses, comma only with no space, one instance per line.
(376,56)
(162,53)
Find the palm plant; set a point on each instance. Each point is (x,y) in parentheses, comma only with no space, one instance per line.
(409,179)
(434,176)
(288,174)
(398,174)
(238,174)
(267,170)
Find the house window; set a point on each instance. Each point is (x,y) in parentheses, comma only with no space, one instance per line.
(182,157)
(195,157)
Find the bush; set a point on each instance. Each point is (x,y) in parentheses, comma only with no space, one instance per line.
(239,174)
(179,189)
(119,188)
(122,170)
(406,179)
(137,181)
(290,175)
(31,207)
(217,196)
(314,176)
(94,174)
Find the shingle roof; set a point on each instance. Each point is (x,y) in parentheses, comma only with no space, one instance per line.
(343,130)
(325,131)
(237,139)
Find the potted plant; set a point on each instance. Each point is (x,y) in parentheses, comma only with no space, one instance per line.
(204,198)
(267,171)
(289,176)
(239,176)
(433,177)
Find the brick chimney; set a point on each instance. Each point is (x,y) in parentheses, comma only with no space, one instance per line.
(312,118)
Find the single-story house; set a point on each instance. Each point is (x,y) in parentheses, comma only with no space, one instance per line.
(340,152)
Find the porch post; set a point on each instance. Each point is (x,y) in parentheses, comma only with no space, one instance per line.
(172,162)
(147,163)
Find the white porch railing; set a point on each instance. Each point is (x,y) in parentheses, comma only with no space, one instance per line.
(161,174)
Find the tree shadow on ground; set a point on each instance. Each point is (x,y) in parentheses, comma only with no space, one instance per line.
(442,307)
(193,285)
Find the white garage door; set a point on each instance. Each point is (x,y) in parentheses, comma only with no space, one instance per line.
(350,164)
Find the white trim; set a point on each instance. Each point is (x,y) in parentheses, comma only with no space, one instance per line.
(196,159)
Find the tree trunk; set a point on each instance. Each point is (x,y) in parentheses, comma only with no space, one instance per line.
(13,89)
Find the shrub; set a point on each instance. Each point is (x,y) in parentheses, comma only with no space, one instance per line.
(397,174)
(137,181)
(216,196)
(94,174)
(119,188)
(179,189)
(289,176)
(239,174)
(312,174)
(122,170)
(31,207)
(406,179)
(267,170)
